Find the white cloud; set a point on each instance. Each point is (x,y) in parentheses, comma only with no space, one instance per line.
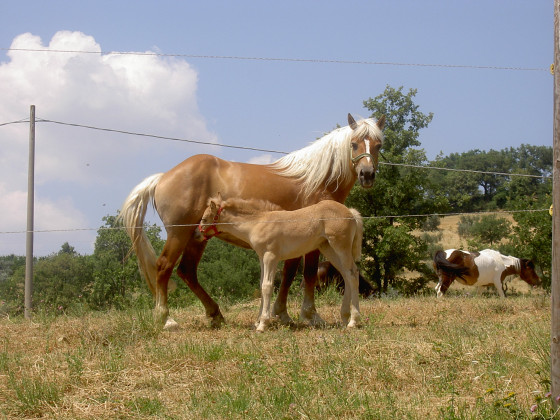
(262,159)
(79,170)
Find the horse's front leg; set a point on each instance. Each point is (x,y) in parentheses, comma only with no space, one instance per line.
(279,309)
(308,311)
(187,271)
(499,287)
(439,293)
(269,263)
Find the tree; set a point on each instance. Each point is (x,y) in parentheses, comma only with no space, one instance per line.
(229,271)
(116,277)
(60,282)
(477,190)
(389,245)
(484,231)
(532,234)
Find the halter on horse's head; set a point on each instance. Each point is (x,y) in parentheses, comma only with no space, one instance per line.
(365,149)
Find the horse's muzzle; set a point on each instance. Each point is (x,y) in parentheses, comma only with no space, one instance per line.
(366,177)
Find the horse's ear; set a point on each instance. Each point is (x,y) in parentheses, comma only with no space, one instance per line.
(212,205)
(352,122)
(381,122)
(220,196)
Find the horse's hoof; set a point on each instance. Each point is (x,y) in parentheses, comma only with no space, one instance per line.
(170,325)
(352,324)
(317,321)
(314,320)
(284,319)
(217,321)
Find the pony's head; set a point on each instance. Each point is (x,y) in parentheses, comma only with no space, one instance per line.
(365,143)
(527,272)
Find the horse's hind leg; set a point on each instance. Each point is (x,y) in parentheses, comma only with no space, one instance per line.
(165,265)
(308,312)
(187,271)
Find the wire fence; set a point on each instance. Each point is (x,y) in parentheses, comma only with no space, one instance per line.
(278,59)
(282,59)
(155,136)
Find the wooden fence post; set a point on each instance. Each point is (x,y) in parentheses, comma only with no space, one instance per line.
(28,291)
(555,273)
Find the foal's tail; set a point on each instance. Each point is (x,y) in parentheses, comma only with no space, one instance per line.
(357,244)
(132,214)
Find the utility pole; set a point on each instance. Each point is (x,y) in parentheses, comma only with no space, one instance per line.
(30,213)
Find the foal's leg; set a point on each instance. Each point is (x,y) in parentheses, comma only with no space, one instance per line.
(269,264)
(279,309)
(260,288)
(308,312)
(187,271)
(343,261)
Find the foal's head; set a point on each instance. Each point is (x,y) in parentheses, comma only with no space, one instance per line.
(207,226)
(365,144)
(527,272)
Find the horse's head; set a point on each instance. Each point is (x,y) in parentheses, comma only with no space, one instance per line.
(366,142)
(527,272)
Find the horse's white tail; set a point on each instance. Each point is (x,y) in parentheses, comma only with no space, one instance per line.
(358,237)
(132,214)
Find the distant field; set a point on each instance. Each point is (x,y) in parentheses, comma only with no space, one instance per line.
(420,358)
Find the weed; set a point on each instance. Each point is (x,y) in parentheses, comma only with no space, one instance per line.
(34,395)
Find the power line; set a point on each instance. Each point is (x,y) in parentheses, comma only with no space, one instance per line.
(281,152)
(161,137)
(464,170)
(286,59)
(256,149)
(15,122)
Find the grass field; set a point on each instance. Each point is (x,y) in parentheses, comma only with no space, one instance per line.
(466,356)
(460,357)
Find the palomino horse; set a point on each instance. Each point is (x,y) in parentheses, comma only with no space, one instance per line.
(484,268)
(327,274)
(278,235)
(327,169)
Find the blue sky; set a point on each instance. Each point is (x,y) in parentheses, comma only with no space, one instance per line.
(263,103)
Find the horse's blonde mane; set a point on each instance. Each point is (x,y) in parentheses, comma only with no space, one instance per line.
(327,160)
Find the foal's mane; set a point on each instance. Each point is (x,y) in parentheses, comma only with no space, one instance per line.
(326,160)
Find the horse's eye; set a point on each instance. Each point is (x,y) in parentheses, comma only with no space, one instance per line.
(354,146)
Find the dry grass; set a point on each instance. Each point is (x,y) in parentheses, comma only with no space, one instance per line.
(466,356)
(417,358)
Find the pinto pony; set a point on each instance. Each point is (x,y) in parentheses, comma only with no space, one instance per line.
(278,235)
(327,169)
(483,268)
